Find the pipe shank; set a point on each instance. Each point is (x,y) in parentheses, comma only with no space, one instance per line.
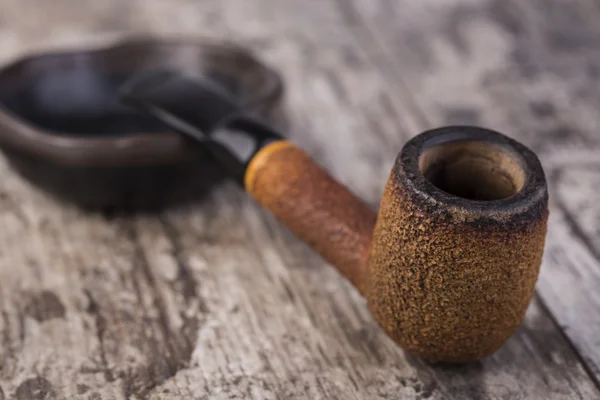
(317,209)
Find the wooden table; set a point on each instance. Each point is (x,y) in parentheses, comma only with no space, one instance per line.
(217,300)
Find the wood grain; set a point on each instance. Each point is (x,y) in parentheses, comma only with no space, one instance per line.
(529,69)
(216,299)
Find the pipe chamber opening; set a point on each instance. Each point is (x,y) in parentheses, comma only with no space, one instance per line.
(473,170)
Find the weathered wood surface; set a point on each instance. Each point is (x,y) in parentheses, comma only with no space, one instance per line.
(216,300)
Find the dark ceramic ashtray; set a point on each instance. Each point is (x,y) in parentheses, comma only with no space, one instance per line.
(63,127)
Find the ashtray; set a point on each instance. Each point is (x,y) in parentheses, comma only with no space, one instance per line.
(63,127)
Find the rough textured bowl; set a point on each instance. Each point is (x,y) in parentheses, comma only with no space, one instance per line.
(63,127)
(458,243)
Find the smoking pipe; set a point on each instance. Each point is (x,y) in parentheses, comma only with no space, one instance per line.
(448,266)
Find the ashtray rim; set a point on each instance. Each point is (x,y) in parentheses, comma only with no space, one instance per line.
(131,148)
